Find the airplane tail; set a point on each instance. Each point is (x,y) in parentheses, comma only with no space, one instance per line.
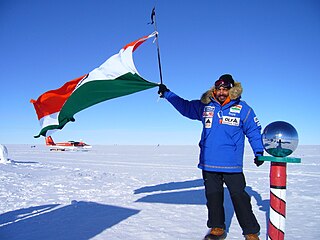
(49,141)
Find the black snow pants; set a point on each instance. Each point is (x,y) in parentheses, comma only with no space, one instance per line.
(214,191)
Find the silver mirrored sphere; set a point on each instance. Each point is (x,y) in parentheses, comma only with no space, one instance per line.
(280,139)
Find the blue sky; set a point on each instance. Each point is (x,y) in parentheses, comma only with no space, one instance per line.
(271,47)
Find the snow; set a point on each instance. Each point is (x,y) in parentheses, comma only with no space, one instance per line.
(138,192)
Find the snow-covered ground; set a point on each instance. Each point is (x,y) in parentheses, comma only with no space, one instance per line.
(138,192)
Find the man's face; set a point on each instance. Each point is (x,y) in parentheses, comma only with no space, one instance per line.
(221,94)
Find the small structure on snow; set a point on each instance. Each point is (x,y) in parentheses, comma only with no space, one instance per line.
(4,154)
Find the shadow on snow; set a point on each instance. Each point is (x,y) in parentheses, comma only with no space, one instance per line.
(80,220)
(179,195)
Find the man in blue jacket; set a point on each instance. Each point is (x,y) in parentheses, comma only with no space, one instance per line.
(226,121)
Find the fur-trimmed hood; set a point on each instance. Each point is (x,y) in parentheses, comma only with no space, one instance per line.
(234,93)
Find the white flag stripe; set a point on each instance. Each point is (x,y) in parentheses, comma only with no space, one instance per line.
(116,66)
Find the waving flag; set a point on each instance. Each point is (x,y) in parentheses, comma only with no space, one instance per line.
(116,77)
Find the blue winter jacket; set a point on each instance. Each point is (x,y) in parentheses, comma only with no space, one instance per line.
(224,130)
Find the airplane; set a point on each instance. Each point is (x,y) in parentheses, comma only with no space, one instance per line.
(67,146)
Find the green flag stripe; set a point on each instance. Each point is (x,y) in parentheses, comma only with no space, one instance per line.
(97,91)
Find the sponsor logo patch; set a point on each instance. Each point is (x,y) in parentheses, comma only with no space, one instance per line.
(207,114)
(208,111)
(232,121)
(236,109)
(256,120)
(208,122)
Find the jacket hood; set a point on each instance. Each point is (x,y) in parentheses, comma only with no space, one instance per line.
(234,93)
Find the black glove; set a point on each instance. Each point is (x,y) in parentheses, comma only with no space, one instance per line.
(162,89)
(256,160)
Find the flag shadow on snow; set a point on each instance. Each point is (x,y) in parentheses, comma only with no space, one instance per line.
(180,193)
(80,220)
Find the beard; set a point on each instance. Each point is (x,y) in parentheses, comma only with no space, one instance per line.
(221,97)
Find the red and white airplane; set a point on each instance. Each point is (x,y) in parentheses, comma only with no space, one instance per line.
(67,146)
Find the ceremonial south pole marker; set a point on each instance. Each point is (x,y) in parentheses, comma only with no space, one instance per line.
(280,139)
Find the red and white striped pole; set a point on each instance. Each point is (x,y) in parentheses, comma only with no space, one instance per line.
(278,185)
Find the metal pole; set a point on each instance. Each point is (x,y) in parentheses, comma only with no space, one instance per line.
(153,21)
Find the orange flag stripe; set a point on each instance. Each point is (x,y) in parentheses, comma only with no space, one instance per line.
(52,101)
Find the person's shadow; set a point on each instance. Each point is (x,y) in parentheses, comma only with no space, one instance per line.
(167,193)
(79,220)
(264,205)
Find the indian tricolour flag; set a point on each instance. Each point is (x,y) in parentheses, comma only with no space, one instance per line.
(116,77)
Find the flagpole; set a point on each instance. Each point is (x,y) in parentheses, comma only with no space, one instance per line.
(153,21)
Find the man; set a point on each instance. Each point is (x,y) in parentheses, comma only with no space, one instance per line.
(226,121)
